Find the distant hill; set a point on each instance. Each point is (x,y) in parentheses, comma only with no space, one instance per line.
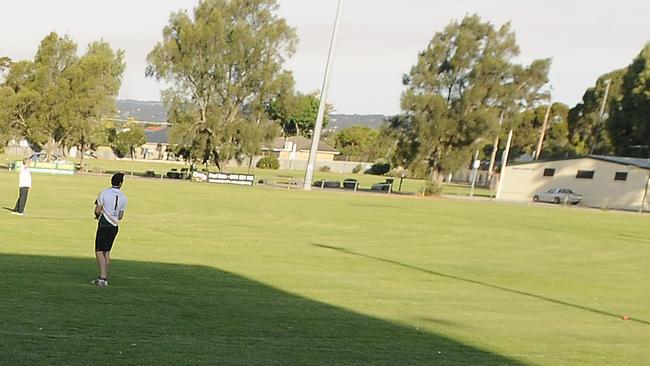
(155,112)
(340,121)
(141,110)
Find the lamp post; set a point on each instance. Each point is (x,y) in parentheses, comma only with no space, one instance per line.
(309,173)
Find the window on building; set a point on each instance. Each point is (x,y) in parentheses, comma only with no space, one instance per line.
(620,176)
(585,174)
(548,172)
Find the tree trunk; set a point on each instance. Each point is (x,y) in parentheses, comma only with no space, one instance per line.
(50,142)
(83,153)
(250,164)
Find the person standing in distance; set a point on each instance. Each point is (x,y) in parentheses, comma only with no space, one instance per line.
(109,210)
(24,184)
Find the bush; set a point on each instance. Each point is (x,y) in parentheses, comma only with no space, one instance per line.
(379,168)
(325,168)
(431,189)
(357,169)
(268,162)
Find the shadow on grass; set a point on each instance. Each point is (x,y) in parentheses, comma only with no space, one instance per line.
(171,314)
(480,283)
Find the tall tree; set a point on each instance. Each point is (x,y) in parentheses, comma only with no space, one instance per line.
(296,113)
(221,63)
(457,91)
(126,139)
(48,80)
(629,124)
(94,84)
(360,143)
(58,98)
(588,130)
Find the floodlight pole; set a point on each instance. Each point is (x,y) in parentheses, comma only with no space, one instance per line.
(538,151)
(601,115)
(313,152)
(504,163)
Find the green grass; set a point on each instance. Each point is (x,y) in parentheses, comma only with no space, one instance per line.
(207,274)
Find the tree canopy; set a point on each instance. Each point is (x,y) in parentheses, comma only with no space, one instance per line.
(296,113)
(224,65)
(59,97)
(629,121)
(463,82)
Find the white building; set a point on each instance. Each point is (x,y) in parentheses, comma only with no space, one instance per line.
(603,181)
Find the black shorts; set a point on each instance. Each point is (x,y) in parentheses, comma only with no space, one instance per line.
(105,236)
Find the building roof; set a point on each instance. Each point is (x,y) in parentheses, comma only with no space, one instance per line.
(302,144)
(637,162)
(157,135)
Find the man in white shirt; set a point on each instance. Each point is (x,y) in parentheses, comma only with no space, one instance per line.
(24,184)
(109,210)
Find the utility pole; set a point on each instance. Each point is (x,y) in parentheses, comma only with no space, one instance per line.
(504,163)
(495,149)
(601,115)
(538,151)
(476,164)
(309,174)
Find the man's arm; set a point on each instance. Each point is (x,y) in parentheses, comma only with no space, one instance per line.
(121,215)
(98,210)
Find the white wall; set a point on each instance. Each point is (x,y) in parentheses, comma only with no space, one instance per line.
(522,182)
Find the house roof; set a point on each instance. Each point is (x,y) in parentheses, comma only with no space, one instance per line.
(302,144)
(157,135)
(637,162)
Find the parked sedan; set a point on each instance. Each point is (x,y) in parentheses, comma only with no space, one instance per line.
(558,195)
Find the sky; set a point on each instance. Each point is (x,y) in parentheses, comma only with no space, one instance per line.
(378,39)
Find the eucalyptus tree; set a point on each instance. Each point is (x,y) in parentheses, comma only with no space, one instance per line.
(461,87)
(223,63)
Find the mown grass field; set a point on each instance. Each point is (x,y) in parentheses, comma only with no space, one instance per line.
(206,274)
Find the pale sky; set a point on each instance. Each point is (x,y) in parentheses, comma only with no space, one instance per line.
(378,41)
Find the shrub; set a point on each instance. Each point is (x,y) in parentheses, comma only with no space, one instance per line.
(379,168)
(268,162)
(325,168)
(357,169)
(431,189)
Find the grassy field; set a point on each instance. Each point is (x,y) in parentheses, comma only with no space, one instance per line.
(206,274)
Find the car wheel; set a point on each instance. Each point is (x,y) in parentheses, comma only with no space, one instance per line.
(556,200)
(535,198)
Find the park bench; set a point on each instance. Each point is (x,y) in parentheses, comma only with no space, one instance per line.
(386,186)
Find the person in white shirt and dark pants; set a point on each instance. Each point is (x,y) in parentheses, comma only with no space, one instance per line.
(24,184)
(109,211)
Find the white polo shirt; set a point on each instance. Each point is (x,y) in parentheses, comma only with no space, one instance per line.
(113,201)
(25,177)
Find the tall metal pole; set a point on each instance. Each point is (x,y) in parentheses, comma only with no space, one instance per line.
(311,164)
(601,114)
(474,173)
(495,149)
(504,163)
(538,151)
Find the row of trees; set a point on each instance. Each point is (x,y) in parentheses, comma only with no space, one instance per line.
(614,115)
(229,94)
(465,94)
(58,98)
